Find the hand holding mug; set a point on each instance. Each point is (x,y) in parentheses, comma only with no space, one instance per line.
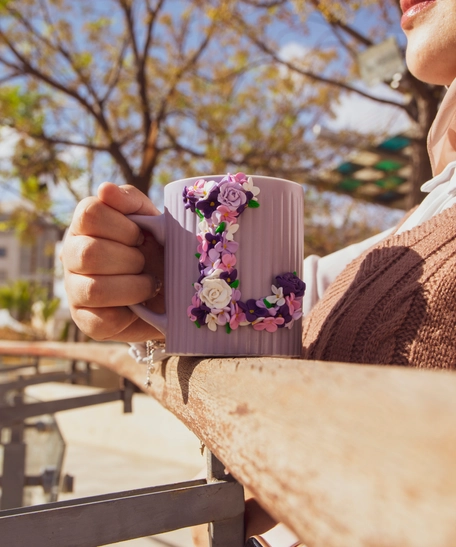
(108,265)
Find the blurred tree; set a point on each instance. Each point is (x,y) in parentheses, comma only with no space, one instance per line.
(160,87)
(167,88)
(21,295)
(347,29)
(332,222)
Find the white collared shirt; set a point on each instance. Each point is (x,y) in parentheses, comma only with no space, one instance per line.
(319,273)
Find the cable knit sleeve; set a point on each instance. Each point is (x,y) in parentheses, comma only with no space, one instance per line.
(319,273)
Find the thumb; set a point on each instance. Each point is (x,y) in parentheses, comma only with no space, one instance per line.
(126,199)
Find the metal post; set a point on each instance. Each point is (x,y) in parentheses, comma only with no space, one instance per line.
(229,532)
(13,476)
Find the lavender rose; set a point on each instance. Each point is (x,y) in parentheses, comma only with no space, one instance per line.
(232,195)
(291,284)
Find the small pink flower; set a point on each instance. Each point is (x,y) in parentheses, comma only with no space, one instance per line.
(294,305)
(197,189)
(189,313)
(270,324)
(228,262)
(196,302)
(203,187)
(202,247)
(224,214)
(237,317)
(240,177)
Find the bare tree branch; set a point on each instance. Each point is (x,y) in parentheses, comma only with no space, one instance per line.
(116,72)
(364,40)
(312,75)
(66,142)
(58,47)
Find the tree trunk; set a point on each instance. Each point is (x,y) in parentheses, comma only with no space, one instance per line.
(142,183)
(421,172)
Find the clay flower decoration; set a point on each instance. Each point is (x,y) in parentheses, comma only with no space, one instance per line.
(217,299)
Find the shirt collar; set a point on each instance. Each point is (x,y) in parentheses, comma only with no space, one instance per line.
(448,174)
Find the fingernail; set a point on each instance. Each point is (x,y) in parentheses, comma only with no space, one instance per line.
(158,286)
(140,239)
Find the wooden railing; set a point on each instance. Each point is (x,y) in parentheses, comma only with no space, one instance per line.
(345,455)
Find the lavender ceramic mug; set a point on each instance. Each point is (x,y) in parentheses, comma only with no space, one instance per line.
(233,266)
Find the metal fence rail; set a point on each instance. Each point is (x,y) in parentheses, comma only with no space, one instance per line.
(111,518)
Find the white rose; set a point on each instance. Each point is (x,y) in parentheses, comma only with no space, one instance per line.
(216,293)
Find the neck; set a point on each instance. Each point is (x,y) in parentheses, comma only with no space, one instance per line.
(442,136)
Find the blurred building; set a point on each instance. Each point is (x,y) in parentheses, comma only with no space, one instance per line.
(32,260)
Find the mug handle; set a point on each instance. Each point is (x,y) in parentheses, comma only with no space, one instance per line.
(156,226)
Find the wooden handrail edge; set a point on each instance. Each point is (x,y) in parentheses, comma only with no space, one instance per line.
(343,454)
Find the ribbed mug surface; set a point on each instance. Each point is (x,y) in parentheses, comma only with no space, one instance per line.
(271,241)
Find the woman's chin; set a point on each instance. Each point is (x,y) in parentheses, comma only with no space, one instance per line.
(431,68)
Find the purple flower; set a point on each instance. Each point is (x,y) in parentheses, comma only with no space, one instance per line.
(226,246)
(242,208)
(232,195)
(291,284)
(252,310)
(229,277)
(189,199)
(284,311)
(212,261)
(209,205)
(212,240)
(200,313)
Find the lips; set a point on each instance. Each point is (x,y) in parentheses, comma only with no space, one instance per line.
(407,4)
(411,9)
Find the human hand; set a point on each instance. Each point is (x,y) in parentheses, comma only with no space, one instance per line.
(109,264)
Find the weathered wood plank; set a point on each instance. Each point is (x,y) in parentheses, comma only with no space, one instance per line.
(343,454)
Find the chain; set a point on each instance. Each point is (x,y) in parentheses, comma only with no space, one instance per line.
(151,346)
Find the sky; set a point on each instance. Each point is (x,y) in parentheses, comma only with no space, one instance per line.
(352,112)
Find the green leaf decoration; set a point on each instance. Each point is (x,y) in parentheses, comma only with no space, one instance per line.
(235,284)
(294,273)
(199,213)
(221,228)
(198,255)
(228,328)
(253,204)
(268,304)
(197,324)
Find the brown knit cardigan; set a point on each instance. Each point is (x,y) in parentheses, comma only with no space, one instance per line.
(395,304)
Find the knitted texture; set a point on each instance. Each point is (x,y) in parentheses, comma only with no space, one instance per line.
(395,304)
